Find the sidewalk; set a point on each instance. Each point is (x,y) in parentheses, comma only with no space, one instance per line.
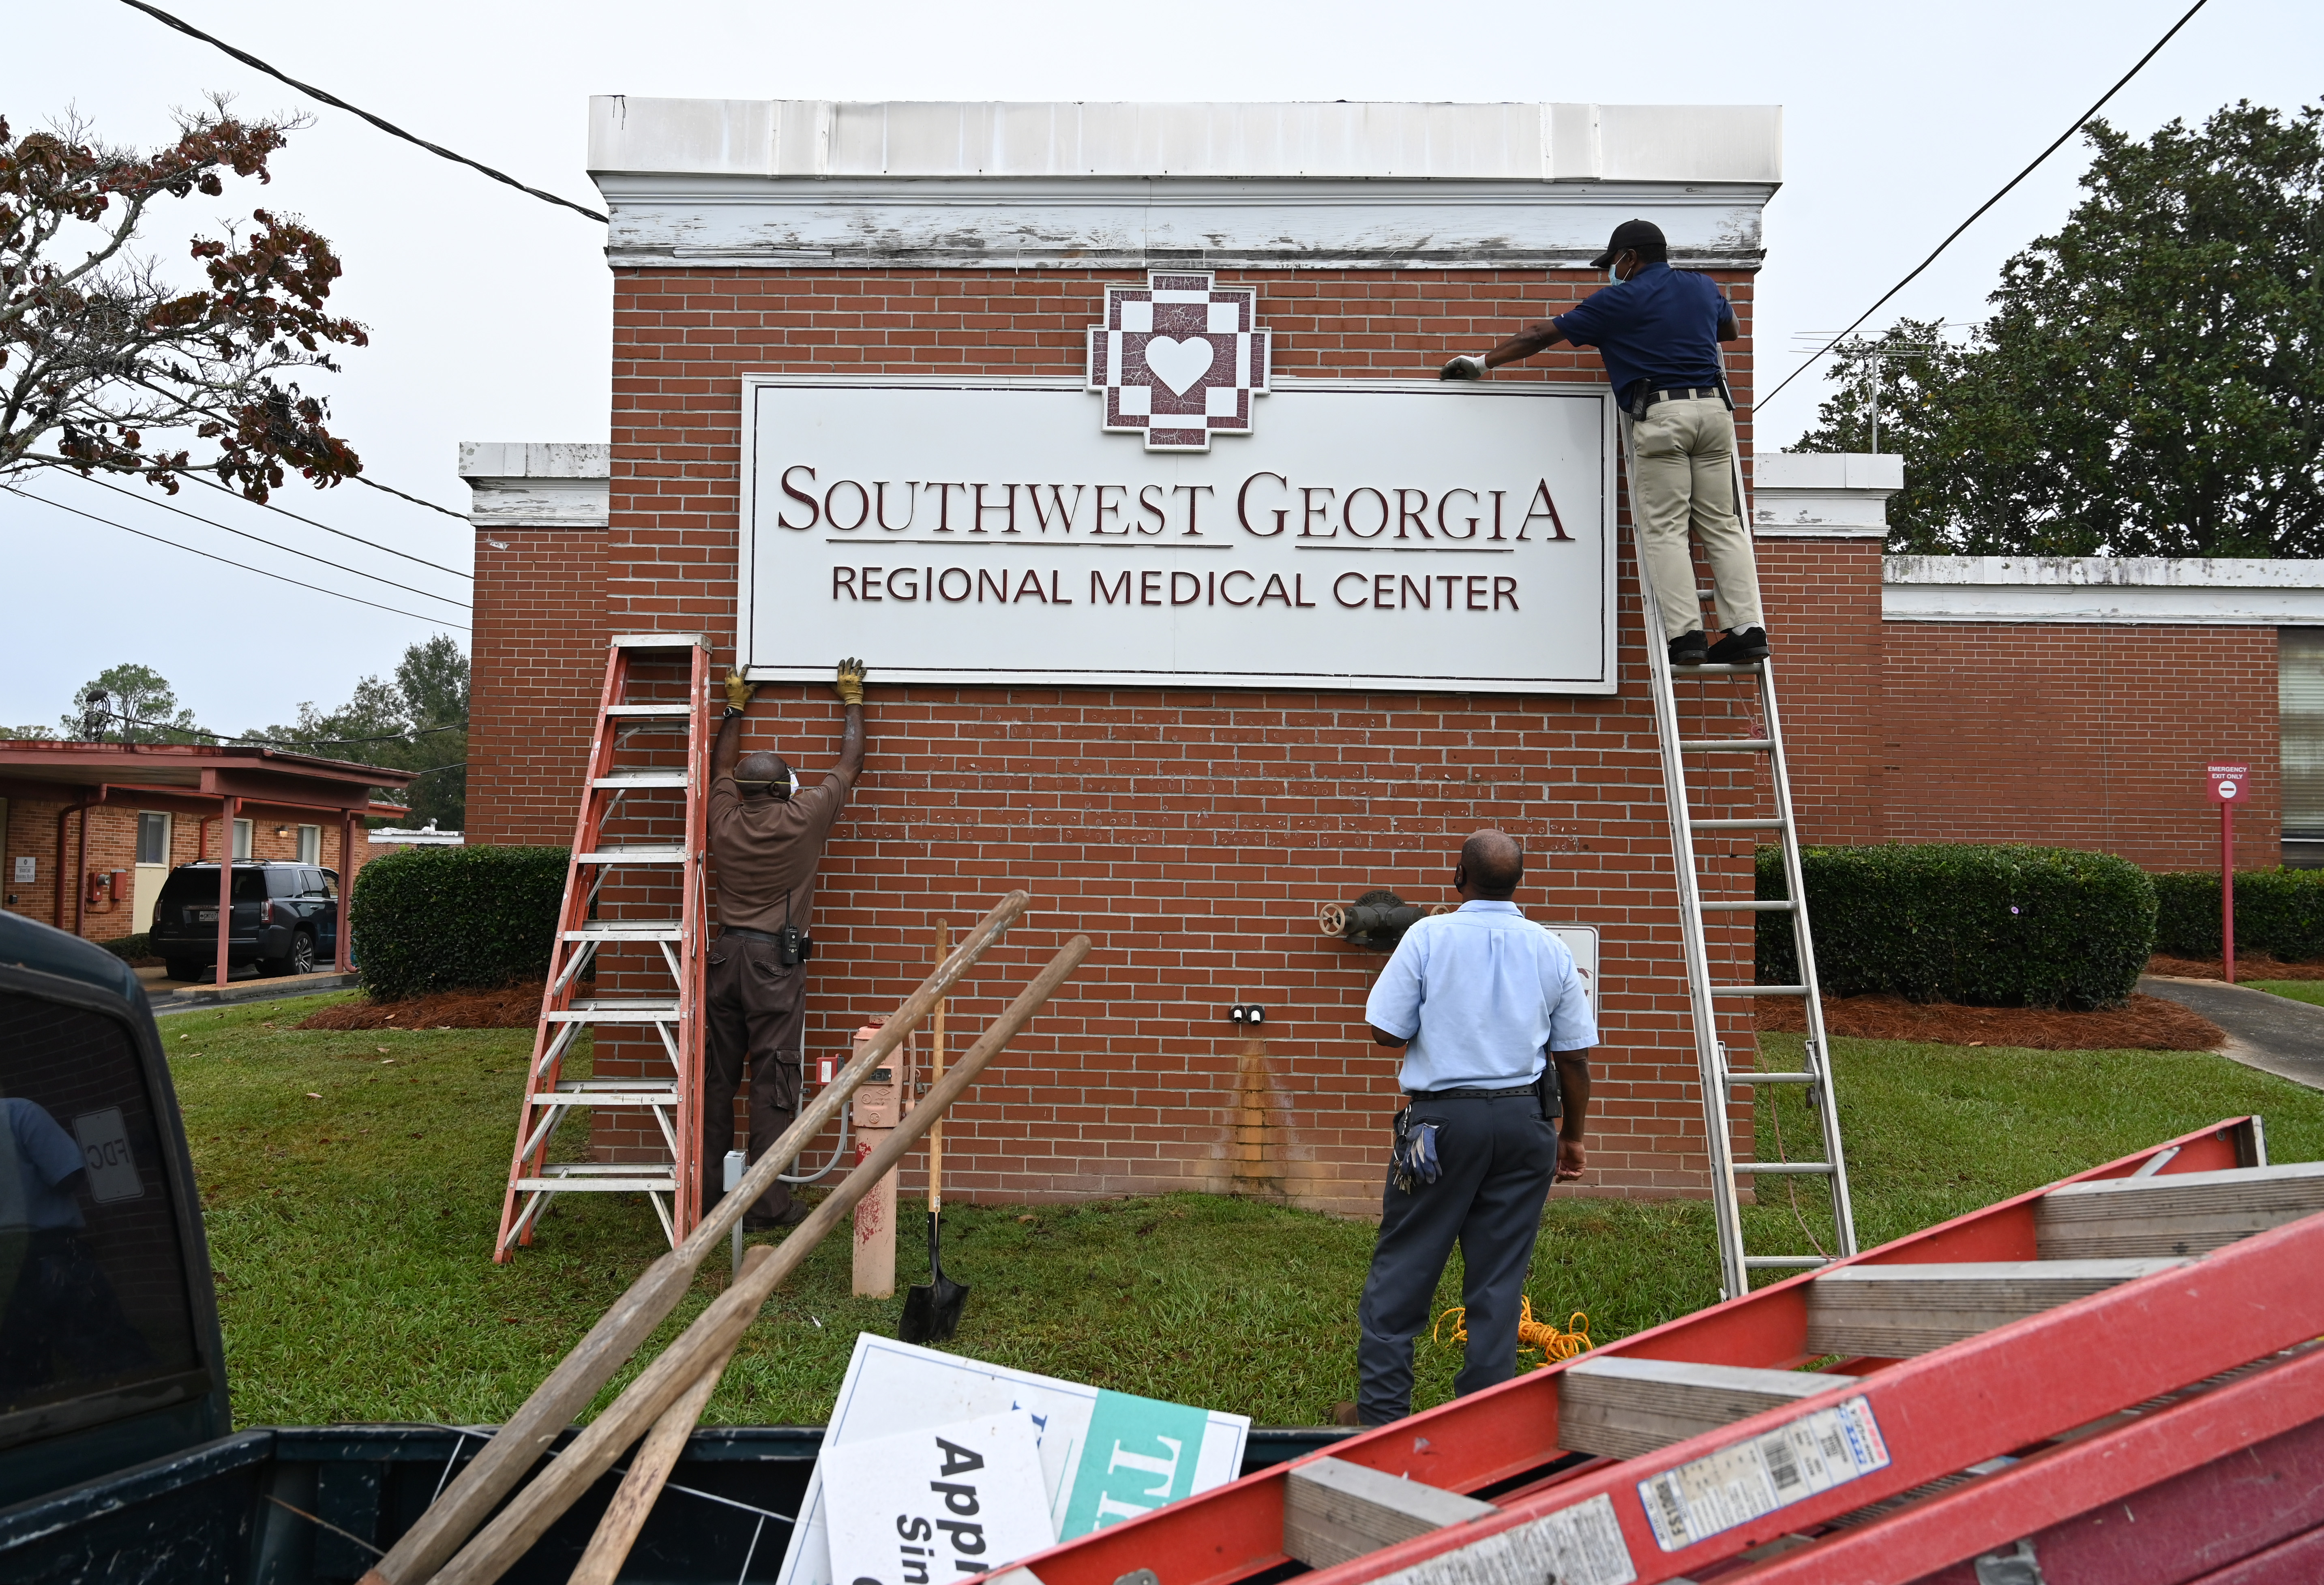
(2270,1033)
(166,996)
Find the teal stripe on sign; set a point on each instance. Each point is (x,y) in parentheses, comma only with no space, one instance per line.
(1140,1453)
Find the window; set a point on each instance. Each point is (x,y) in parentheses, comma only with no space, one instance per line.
(153,839)
(242,839)
(88,1239)
(327,883)
(2300,719)
(310,844)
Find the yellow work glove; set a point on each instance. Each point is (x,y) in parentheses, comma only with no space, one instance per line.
(849,684)
(738,692)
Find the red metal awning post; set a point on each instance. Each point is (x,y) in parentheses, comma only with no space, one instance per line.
(227,805)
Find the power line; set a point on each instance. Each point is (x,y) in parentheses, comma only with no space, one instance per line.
(415,500)
(316,742)
(229,561)
(310,522)
(286,550)
(1981,208)
(388,127)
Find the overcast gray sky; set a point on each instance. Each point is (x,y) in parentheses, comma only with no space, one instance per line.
(489,311)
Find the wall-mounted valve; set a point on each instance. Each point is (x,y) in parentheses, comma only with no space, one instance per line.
(1375,921)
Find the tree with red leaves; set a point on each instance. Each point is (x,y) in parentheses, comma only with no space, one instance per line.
(102,355)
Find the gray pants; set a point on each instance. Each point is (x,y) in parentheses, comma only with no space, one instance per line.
(1498,1156)
(1682,477)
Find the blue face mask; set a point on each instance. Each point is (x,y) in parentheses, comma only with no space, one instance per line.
(1614,272)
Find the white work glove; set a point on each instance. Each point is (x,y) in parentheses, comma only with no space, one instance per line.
(1465,368)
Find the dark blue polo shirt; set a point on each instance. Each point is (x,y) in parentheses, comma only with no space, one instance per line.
(1661,326)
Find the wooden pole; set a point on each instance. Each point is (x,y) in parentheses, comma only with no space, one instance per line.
(936,1076)
(520,1443)
(532,1511)
(650,1465)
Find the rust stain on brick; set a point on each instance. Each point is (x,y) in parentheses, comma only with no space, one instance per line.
(1255,1150)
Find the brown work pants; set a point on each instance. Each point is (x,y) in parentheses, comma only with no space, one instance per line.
(757,1013)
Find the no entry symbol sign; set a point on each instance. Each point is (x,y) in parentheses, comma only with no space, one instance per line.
(2228,782)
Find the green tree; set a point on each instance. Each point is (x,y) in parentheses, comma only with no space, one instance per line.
(138,706)
(2152,380)
(416,723)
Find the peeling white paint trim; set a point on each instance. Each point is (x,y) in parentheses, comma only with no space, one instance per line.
(2218,592)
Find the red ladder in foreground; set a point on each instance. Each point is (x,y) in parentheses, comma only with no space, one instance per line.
(616,776)
(1987,1400)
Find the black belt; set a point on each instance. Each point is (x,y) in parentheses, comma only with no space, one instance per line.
(1639,397)
(1475,1094)
(748,935)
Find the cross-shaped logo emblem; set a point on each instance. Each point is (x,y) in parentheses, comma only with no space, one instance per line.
(1179,360)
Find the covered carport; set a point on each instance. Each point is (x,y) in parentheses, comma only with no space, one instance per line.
(224,782)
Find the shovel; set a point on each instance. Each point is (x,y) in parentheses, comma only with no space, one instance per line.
(932,1309)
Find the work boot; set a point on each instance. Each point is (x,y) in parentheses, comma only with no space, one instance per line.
(1690,650)
(791,1215)
(1740,647)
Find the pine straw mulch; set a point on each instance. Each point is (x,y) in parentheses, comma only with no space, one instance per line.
(2257,966)
(514,1007)
(2147,1023)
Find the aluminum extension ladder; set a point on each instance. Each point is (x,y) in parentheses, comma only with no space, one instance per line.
(1718,1080)
(2117,1376)
(673,1185)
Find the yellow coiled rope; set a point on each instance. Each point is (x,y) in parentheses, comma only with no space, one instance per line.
(1554,1344)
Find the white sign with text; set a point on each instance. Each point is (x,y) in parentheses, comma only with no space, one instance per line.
(1366,534)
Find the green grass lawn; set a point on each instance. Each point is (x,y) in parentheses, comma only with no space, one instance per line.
(2308,990)
(351,1183)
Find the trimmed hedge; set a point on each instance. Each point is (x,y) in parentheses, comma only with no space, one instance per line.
(451,918)
(2279,912)
(2003,927)
(130,948)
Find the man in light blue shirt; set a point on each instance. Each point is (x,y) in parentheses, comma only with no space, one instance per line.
(1496,1029)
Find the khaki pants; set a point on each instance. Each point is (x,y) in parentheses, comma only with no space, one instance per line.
(1682,476)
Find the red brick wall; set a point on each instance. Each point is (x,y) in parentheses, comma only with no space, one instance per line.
(1193,834)
(537,667)
(1822,600)
(2079,736)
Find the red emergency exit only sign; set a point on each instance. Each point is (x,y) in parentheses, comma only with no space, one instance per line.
(2229,783)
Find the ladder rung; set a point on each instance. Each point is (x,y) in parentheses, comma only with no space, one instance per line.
(1722,668)
(1755,907)
(643,1009)
(1754,1076)
(627,930)
(606,1093)
(1739,745)
(1758,990)
(634,855)
(677,710)
(1803,1169)
(1773,1262)
(634,1183)
(660,641)
(1736,825)
(629,778)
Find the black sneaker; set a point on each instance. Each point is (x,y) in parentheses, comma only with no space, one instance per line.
(1689,649)
(1740,649)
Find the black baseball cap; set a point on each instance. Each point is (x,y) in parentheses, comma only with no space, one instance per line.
(1643,235)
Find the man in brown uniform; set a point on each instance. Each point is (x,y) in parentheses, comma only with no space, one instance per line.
(767,837)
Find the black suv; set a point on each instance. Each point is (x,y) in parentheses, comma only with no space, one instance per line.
(286,918)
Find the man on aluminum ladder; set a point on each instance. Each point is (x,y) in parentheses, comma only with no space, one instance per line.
(1658,330)
(766,837)
(1488,1011)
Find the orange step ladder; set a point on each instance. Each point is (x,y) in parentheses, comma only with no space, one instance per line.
(625,788)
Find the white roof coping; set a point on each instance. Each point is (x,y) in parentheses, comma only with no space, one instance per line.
(1823,494)
(538,484)
(1829,470)
(2194,592)
(535,459)
(423,836)
(1320,141)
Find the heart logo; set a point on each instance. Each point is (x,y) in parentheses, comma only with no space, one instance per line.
(1179,363)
